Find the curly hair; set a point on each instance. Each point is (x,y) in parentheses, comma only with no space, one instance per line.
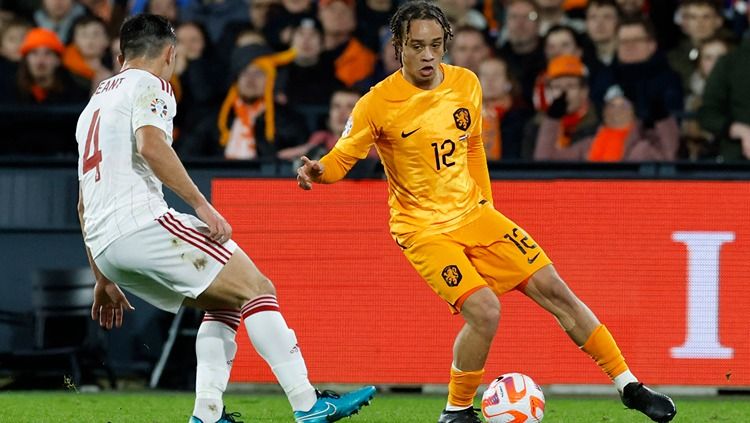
(416,10)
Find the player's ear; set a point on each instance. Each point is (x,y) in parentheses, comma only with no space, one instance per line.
(171,51)
(120,59)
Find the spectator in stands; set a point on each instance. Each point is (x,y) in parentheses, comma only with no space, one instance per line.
(373,16)
(6,14)
(86,56)
(387,63)
(602,19)
(523,49)
(504,115)
(282,22)
(570,108)
(247,37)
(321,142)
(12,34)
(41,77)
(42,81)
(699,21)
(102,9)
(260,12)
(216,15)
(311,79)
(698,143)
(252,125)
(631,8)
(59,16)
(111,12)
(560,40)
(10,9)
(462,13)
(468,48)
(643,72)
(552,13)
(725,112)
(198,96)
(166,8)
(619,138)
(140,6)
(352,60)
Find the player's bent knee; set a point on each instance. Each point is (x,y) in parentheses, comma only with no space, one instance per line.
(259,285)
(482,311)
(553,287)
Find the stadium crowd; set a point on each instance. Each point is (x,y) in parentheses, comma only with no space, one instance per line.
(596,80)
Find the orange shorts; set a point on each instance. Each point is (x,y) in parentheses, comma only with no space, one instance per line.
(490,251)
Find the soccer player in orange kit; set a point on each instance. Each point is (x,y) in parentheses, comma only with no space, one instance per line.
(425,121)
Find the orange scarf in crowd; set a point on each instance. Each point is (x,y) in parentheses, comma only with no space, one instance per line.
(73,60)
(491,134)
(355,63)
(268,65)
(609,144)
(39,93)
(574,4)
(569,124)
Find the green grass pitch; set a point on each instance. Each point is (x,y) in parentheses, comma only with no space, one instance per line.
(169,407)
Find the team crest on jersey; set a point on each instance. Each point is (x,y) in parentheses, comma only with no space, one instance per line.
(348,127)
(462,118)
(159,108)
(451,275)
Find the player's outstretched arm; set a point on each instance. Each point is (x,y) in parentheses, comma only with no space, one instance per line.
(152,145)
(309,172)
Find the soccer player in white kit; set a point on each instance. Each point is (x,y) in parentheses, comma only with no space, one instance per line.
(170,259)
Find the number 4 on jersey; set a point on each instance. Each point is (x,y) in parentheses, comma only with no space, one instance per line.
(92,160)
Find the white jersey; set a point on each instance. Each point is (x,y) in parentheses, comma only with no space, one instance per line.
(120,191)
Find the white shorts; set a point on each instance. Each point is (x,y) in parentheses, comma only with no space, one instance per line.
(166,261)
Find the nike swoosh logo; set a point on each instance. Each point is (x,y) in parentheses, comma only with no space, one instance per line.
(406,134)
(533,259)
(329,410)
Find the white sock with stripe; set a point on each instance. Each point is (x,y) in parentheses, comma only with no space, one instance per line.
(214,350)
(277,344)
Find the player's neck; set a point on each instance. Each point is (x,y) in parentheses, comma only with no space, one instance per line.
(425,85)
(150,66)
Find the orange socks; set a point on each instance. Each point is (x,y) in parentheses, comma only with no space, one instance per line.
(603,349)
(462,387)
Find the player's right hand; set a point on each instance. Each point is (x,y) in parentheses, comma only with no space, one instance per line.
(218,228)
(110,303)
(310,171)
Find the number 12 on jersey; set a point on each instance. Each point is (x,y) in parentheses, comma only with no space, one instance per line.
(443,152)
(92,160)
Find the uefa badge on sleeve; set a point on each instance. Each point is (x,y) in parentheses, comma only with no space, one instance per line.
(347,127)
(159,108)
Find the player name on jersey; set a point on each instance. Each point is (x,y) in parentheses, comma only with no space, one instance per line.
(108,85)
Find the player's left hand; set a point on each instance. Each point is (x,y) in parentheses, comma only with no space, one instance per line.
(219,229)
(109,305)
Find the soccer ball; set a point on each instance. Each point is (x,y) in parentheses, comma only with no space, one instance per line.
(513,398)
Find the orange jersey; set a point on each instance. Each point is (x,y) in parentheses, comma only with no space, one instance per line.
(425,139)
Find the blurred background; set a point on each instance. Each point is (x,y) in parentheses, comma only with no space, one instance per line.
(616,131)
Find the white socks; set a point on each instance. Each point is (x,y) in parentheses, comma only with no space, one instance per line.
(214,349)
(277,344)
(623,379)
